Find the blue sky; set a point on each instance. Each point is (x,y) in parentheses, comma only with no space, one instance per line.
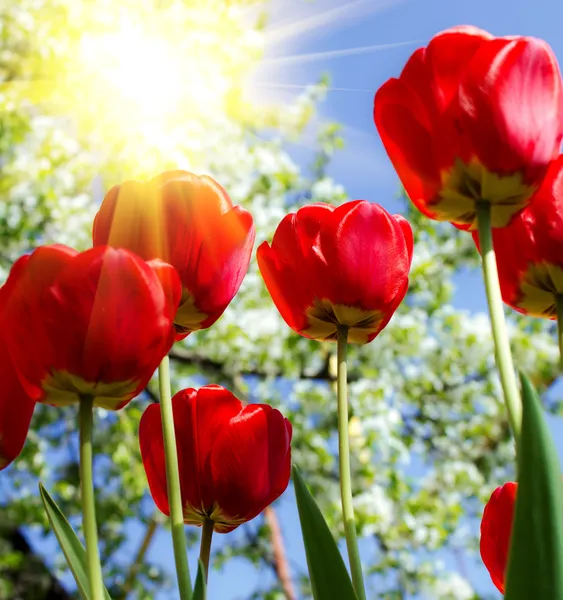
(324,30)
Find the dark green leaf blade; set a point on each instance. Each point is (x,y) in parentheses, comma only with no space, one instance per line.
(536,553)
(71,546)
(328,573)
(200,589)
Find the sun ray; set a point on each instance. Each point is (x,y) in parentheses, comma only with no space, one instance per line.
(296,86)
(301,58)
(140,83)
(336,16)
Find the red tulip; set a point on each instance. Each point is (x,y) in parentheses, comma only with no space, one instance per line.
(190,223)
(91,324)
(530,250)
(16,410)
(16,407)
(496,528)
(472,118)
(344,266)
(234,460)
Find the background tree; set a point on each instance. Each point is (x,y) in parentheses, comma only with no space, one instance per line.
(430,436)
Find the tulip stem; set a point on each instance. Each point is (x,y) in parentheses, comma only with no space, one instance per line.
(205,547)
(344,458)
(86,417)
(559,304)
(173,482)
(503,355)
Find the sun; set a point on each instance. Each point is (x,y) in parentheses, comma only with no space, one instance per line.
(149,77)
(139,80)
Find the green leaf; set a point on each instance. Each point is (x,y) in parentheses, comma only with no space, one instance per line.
(329,577)
(536,553)
(73,550)
(200,589)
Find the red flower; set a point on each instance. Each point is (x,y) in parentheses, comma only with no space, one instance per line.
(234,460)
(91,324)
(190,223)
(496,528)
(338,266)
(16,410)
(472,118)
(16,407)
(530,250)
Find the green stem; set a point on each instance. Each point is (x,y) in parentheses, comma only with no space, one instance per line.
(173,482)
(205,547)
(503,355)
(86,418)
(559,304)
(344,458)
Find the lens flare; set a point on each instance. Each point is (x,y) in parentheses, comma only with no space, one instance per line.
(148,78)
(145,84)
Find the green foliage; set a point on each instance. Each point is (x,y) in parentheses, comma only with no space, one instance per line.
(200,588)
(74,551)
(327,571)
(535,566)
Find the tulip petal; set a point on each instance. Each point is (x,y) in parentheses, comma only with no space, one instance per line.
(407,232)
(108,313)
(251,462)
(454,132)
(215,273)
(291,300)
(152,453)
(130,217)
(106,294)
(16,410)
(170,282)
(298,234)
(448,55)
(337,266)
(529,250)
(400,119)
(368,255)
(23,297)
(293,268)
(417,78)
(527,132)
(496,529)
(199,418)
(233,461)
(33,274)
(544,217)
(189,222)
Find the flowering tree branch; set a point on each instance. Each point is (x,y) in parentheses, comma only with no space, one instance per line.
(280,563)
(151,529)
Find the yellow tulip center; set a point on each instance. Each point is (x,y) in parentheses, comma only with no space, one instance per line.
(324,318)
(62,388)
(466,184)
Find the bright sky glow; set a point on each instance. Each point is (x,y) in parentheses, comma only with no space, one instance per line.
(148,78)
(142,82)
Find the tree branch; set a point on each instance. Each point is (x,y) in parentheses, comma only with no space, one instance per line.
(281,566)
(152,396)
(152,526)
(205,363)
